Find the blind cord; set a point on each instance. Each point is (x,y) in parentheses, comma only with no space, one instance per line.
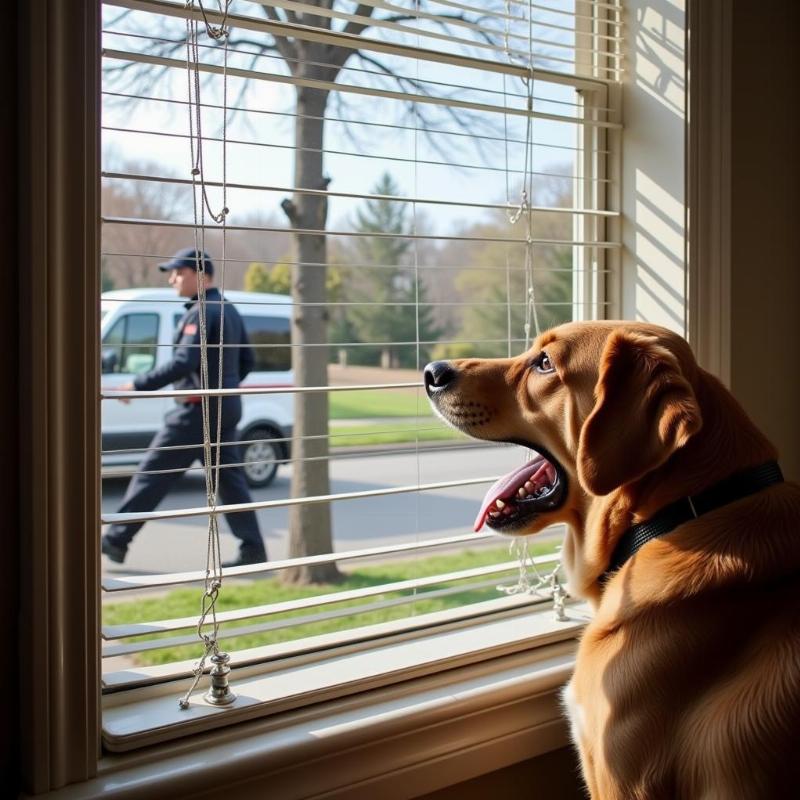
(219,693)
(518,548)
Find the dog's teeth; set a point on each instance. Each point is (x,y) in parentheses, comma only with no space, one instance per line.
(521,492)
(494,513)
(529,486)
(500,504)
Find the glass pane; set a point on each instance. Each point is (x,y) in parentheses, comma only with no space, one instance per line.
(141,338)
(267,334)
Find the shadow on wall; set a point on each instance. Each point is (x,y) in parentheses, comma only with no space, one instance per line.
(654,224)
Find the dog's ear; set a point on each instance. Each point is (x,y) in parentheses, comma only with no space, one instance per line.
(644,410)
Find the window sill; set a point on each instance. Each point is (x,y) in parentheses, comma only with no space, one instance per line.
(395,741)
(149,715)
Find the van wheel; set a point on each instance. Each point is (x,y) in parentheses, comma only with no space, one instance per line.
(261,457)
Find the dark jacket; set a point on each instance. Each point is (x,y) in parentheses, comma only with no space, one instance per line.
(183,371)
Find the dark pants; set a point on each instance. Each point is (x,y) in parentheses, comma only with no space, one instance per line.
(184,426)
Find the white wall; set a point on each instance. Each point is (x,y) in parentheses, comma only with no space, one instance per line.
(653,156)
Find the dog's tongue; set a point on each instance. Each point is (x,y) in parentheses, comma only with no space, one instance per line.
(536,471)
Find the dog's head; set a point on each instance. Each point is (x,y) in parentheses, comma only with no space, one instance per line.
(601,404)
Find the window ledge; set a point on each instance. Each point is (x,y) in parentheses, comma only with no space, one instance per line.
(395,741)
(149,715)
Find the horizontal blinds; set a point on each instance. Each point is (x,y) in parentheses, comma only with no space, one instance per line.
(449,102)
(435,95)
(592,24)
(537,241)
(203,511)
(150,223)
(129,639)
(129,582)
(114,650)
(361,122)
(158,626)
(386,197)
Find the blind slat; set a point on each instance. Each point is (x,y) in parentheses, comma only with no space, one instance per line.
(348,41)
(289,263)
(535,7)
(377,23)
(134,629)
(114,650)
(362,235)
(129,176)
(507,94)
(332,118)
(353,154)
(408,97)
(137,582)
(243,390)
(235,508)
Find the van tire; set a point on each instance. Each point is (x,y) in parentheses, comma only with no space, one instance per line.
(261,456)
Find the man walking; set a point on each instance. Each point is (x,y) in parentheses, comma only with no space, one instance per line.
(167,457)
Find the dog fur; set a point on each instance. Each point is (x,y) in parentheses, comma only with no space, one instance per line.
(687,680)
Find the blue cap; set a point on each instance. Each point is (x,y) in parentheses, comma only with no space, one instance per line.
(191,258)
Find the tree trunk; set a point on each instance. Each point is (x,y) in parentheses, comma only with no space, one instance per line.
(310,530)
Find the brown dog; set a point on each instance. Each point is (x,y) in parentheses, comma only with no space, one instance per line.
(687,681)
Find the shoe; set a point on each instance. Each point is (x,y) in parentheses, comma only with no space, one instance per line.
(115,552)
(246,557)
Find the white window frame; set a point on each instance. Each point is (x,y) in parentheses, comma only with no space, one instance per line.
(60,698)
(590,292)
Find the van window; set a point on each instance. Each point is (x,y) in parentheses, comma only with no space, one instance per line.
(132,339)
(270,331)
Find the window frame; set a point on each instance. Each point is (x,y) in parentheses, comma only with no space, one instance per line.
(60,572)
(58,46)
(594,94)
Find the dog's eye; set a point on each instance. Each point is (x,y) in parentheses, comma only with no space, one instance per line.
(543,364)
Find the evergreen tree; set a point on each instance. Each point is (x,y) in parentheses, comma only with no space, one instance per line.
(494,287)
(390,302)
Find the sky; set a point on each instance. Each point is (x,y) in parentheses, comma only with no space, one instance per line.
(378,135)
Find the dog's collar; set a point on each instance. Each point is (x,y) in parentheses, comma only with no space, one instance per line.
(668,518)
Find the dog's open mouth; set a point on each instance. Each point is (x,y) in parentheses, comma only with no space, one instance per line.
(516,498)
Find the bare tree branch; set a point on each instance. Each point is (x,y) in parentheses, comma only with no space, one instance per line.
(286,47)
(117,19)
(357,28)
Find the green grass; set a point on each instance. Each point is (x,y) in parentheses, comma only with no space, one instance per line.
(369,405)
(390,433)
(378,403)
(185,602)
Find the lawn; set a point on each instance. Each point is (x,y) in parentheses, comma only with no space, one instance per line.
(359,411)
(391,433)
(184,602)
(378,403)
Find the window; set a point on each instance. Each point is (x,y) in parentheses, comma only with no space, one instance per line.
(271,337)
(420,194)
(130,345)
(265,333)
(61,463)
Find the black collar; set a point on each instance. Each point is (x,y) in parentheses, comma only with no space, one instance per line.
(668,518)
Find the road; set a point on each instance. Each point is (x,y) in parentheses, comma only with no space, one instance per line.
(179,545)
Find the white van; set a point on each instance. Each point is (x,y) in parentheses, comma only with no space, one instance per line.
(137,331)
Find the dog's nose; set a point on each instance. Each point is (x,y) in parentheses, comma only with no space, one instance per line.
(438,376)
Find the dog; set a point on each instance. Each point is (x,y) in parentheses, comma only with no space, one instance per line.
(687,679)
